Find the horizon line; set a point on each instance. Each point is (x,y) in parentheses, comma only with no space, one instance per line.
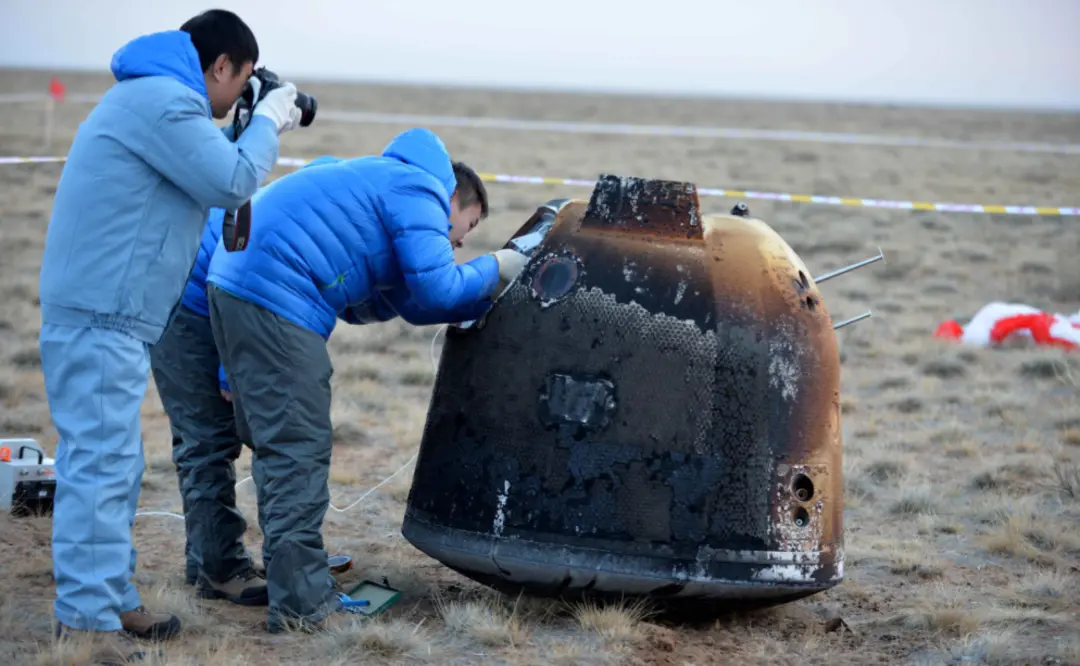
(935,104)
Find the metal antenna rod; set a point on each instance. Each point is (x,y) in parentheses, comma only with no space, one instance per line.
(847,269)
(857,318)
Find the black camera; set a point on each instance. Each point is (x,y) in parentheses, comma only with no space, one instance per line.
(269,81)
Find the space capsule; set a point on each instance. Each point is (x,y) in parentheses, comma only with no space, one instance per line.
(651,409)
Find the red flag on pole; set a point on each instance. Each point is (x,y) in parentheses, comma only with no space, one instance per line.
(56,89)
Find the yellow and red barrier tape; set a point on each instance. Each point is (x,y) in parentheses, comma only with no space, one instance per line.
(858,202)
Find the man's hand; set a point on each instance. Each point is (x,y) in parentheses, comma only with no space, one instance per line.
(279,105)
(243,111)
(511,263)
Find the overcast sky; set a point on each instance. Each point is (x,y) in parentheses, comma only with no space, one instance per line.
(1014,53)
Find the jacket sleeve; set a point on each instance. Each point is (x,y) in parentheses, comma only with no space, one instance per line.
(223,382)
(418,226)
(189,150)
(401,302)
(374,311)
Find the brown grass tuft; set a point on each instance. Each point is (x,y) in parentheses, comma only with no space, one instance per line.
(394,640)
(915,501)
(487,621)
(614,622)
(1067,475)
(949,618)
(1039,539)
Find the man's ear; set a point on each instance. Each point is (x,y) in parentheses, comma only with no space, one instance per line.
(221,67)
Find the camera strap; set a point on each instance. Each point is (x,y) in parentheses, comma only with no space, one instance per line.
(236,228)
(243,226)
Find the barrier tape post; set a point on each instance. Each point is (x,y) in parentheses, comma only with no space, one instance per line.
(57,93)
(49,121)
(857,202)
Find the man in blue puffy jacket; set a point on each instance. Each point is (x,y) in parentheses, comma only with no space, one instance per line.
(362,240)
(143,171)
(206,442)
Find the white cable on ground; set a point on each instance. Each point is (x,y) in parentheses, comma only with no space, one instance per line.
(434,369)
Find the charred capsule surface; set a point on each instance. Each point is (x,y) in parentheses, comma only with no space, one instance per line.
(651,409)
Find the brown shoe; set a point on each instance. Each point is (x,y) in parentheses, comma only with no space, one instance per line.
(143,624)
(247,589)
(107,648)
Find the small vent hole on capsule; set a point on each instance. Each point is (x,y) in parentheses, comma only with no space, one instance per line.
(801,517)
(802,487)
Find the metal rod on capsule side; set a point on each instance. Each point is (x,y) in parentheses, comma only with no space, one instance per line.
(847,269)
(857,318)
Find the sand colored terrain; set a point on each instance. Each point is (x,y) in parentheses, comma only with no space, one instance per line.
(962,465)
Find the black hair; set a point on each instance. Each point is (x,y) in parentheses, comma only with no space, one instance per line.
(470,189)
(218,31)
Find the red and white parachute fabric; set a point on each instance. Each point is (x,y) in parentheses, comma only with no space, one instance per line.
(997,322)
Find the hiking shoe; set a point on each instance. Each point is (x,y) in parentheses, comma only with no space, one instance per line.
(107,648)
(339,616)
(143,624)
(336,621)
(247,589)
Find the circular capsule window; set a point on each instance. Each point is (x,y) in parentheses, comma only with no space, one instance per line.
(555,278)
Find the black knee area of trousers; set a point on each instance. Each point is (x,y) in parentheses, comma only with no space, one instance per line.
(206,445)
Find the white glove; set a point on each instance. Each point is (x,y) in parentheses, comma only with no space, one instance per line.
(295,114)
(243,119)
(511,263)
(256,88)
(279,105)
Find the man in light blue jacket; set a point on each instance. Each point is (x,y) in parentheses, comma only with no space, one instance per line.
(143,171)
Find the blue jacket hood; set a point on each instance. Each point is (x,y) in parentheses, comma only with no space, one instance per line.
(170,53)
(422,148)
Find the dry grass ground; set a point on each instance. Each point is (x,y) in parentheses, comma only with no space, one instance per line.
(961,465)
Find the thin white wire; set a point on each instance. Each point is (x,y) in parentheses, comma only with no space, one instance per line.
(380,484)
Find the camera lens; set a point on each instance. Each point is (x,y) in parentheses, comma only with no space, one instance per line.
(308,106)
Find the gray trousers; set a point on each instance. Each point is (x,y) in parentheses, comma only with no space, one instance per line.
(280,379)
(184,364)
